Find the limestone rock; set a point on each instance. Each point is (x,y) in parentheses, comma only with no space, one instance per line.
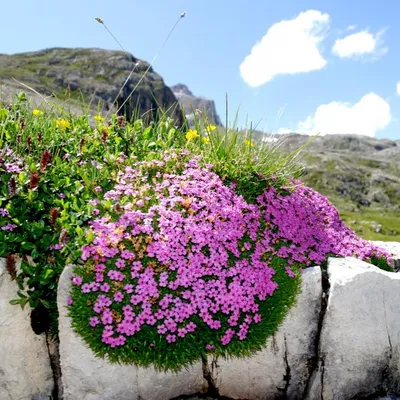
(89,378)
(25,370)
(282,369)
(359,349)
(189,102)
(92,75)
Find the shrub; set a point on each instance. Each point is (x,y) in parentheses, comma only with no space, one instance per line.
(175,268)
(180,265)
(186,241)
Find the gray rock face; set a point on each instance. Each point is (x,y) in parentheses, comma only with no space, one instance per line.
(282,369)
(363,170)
(88,378)
(189,102)
(92,74)
(25,370)
(359,350)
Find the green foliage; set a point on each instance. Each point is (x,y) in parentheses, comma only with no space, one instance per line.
(51,214)
(150,348)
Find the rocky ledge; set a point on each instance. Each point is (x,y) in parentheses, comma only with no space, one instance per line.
(340,341)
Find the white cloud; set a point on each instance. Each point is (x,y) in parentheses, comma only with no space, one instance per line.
(352,27)
(398,88)
(359,44)
(369,115)
(289,47)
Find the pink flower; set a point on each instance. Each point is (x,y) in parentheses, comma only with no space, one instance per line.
(290,272)
(118,297)
(94,321)
(171,338)
(77,280)
(105,287)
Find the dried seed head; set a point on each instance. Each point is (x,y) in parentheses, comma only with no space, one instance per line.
(54,214)
(99,20)
(104,136)
(64,237)
(12,187)
(121,121)
(45,160)
(34,180)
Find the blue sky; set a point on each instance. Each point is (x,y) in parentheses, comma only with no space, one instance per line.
(297,65)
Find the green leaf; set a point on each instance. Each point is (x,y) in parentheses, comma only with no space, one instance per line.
(48,273)
(23,302)
(27,246)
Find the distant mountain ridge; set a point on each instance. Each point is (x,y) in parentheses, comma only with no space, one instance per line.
(189,103)
(359,174)
(92,75)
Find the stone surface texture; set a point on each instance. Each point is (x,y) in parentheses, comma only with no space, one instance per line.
(189,103)
(25,370)
(359,349)
(282,369)
(89,378)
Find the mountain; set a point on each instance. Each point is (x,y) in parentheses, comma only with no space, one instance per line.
(189,103)
(359,174)
(93,76)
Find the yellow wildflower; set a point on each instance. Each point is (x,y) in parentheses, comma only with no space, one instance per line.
(249,143)
(62,123)
(211,128)
(37,113)
(205,140)
(99,118)
(191,134)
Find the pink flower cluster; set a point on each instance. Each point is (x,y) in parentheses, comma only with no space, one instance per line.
(185,245)
(190,249)
(308,228)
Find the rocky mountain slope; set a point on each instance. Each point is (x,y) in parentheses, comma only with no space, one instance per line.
(190,103)
(359,174)
(92,76)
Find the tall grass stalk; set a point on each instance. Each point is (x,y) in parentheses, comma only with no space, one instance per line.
(137,63)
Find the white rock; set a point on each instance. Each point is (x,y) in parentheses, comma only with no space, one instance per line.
(394,249)
(360,338)
(25,370)
(89,378)
(283,366)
